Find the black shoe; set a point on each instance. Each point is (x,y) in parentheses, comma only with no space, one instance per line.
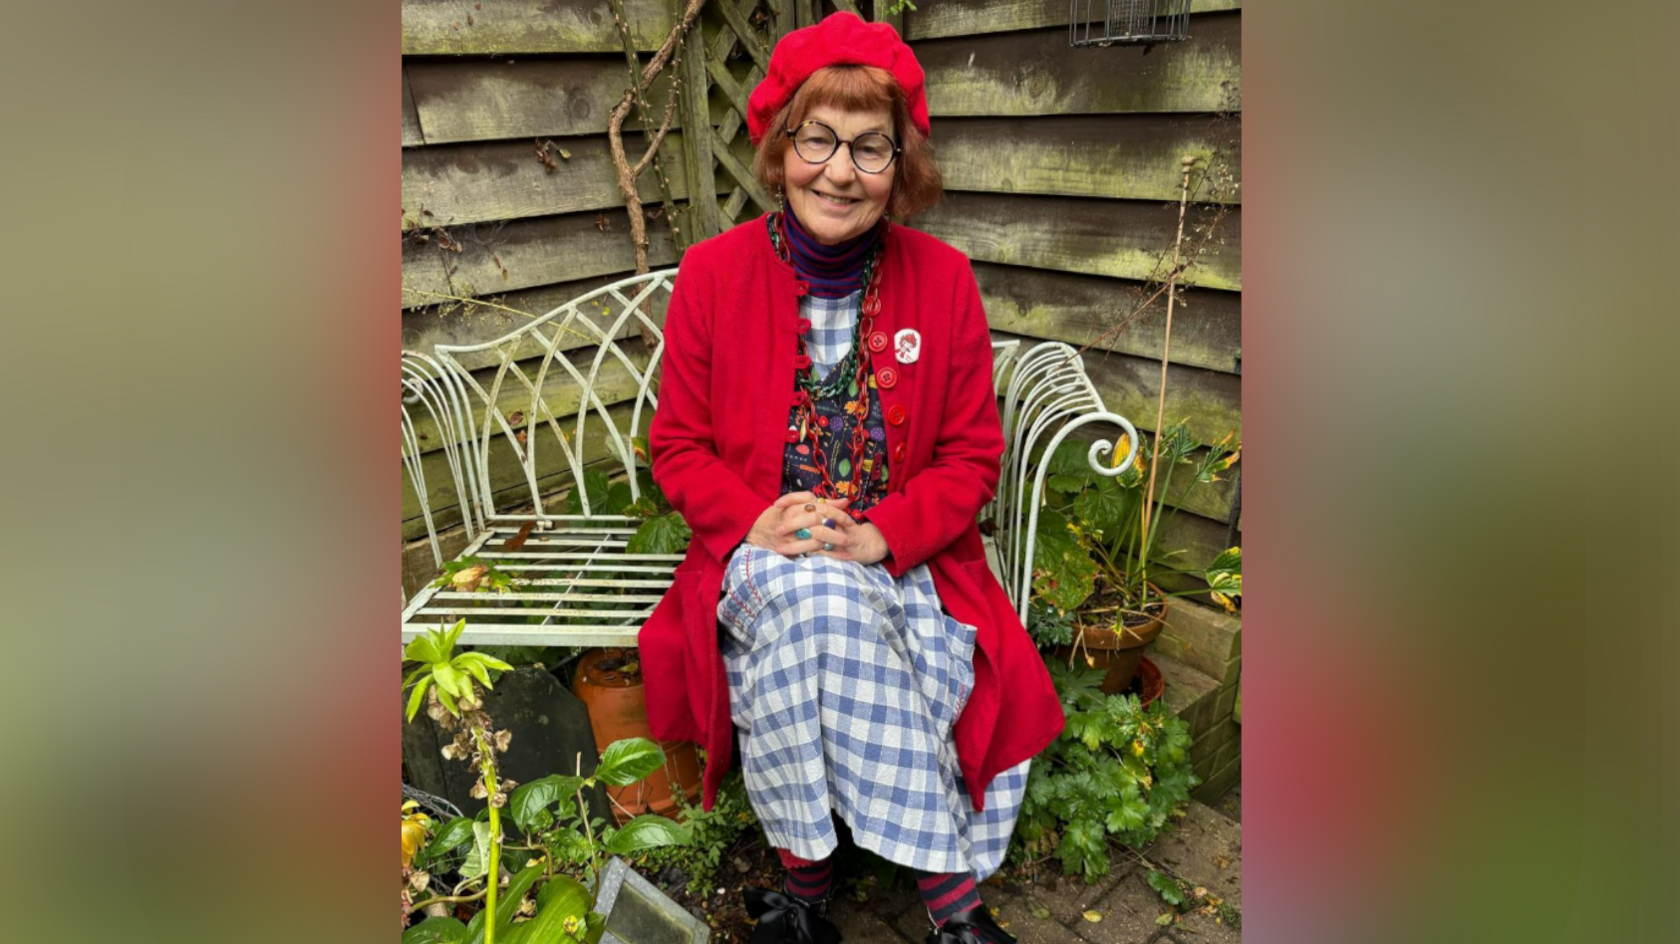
(974,926)
(788,919)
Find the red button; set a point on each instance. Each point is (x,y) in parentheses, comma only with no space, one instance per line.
(872,305)
(896,416)
(886,377)
(802,361)
(878,342)
(898,453)
(793,435)
(803,324)
(801,288)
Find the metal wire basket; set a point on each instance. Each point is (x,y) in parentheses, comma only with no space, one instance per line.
(1107,22)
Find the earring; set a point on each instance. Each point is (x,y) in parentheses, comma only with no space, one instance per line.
(781,204)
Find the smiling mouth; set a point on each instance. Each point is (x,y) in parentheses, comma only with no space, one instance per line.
(837,201)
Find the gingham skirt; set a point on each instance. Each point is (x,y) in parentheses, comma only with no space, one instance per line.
(846,683)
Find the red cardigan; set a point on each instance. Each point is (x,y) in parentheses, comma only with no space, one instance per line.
(717,439)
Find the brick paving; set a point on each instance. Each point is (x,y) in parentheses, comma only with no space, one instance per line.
(1204,849)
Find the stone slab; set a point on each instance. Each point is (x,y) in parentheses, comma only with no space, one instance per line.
(1222,780)
(1205,849)
(1128,915)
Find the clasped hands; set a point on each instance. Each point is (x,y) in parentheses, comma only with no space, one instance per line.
(777,530)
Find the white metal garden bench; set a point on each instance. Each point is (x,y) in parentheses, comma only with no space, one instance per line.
(488,432)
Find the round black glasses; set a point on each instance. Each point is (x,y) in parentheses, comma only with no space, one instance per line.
(815,142)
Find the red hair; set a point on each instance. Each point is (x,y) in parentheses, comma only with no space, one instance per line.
(916,184)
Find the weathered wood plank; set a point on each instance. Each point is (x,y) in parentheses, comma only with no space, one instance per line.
(705,221)
(411,135)
(1209,403)
(504,180)
(936,18)
(1119,238)
(479,100)
(491,27)
(425,328)
(422,272)
(1035,73)
(554,249)
(1080,309)
(1126,156)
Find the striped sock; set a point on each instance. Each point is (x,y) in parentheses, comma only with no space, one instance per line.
(811,882)
(946,894)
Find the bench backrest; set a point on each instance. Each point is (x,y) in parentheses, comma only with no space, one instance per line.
(509,434)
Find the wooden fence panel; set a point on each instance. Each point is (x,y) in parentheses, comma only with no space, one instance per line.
(494,27)
(1119,238)
(1080,309)
(425,328)
(504,180)
(1127,156)
(1209,403)
(476,100)
(410,118)
(525,253)
(1036,73)
(938,18)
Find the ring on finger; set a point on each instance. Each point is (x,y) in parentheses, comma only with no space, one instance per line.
(803,534)
(827,546)
(828,523)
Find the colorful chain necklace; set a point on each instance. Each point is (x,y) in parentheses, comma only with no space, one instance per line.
(852,371)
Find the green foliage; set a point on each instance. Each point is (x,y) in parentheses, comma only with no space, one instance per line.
(1092,530)
(451,674)
(712,835)
(1118,771)
(553,812)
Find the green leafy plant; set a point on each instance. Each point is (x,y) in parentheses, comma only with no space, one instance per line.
(449,685)
(712,834)
(553,812)
(1184,898)
(662,530)
(1100,533)
(1118,770)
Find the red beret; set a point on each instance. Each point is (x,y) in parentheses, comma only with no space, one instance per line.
(841,39)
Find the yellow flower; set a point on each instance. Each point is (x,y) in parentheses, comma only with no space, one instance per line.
(1137,747)
(1120,450)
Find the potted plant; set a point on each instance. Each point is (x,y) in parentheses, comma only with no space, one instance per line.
(565,847)
(1097,546)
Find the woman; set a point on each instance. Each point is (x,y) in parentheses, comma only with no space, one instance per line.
(827,427)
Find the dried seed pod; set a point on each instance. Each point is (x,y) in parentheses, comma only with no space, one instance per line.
(478,792)
(504,737)
(499,800)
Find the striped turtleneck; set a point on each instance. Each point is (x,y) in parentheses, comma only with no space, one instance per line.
(832,271)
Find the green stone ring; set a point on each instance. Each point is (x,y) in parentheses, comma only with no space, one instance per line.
(803,534)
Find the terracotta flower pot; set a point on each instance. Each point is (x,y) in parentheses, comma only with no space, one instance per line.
(1149,684)
(1117,650)
(618,710)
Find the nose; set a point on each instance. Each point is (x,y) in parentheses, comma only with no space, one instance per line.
(839,170)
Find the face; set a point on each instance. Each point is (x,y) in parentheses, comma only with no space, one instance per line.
(834,200)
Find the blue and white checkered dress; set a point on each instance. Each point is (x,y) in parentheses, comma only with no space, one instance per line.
(846,684)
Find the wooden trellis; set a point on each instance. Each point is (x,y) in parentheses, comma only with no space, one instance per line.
(730,31)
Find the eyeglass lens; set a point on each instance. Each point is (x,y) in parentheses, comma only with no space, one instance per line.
(817,142)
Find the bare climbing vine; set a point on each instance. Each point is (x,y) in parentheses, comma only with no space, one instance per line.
(641,80)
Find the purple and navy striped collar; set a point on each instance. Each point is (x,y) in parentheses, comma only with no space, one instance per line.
(832,271)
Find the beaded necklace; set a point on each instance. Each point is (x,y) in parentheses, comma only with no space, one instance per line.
(852,372)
